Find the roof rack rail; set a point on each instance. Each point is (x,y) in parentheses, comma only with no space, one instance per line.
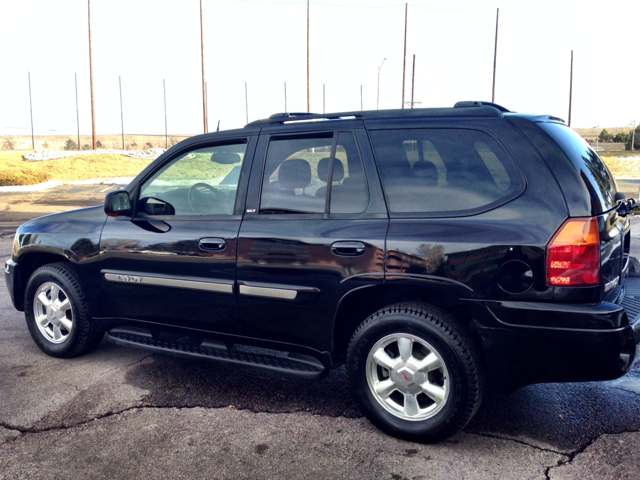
(476,103)
(297,116)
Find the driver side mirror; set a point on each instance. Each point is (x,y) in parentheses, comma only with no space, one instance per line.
(117,204)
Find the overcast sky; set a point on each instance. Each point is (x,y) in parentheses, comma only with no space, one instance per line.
(263,43)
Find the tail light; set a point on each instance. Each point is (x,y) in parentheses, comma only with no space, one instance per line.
(573,254)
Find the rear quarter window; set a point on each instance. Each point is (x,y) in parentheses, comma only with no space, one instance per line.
(443,172)
(594,173)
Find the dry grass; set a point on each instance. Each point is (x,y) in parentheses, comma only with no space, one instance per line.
(57,142)
(15,171)
(626,166)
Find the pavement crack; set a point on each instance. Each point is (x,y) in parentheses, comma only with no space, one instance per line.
(522,442)
(12,428)
(126,365)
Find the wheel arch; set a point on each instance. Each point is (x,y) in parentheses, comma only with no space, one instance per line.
(355,306)
(28,263)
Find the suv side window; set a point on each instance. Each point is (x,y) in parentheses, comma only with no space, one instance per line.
(442,170)
(300,173)
(202,181)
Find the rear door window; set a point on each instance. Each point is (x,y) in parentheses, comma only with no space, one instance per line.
(443,171)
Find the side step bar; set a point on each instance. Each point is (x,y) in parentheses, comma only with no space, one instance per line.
(295,365)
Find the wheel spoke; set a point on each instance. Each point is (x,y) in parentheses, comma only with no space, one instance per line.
(64,305)
(411,406)
(405,346)
(44,300)
(66,323)
(55,292)
(381,358)
(57,334)
(42,320)
(434,392)
(429,363)
(385,388)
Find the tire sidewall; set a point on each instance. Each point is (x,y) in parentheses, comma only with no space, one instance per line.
(49,274)
(429,429)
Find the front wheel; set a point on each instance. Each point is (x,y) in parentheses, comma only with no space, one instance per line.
(416,372)
(56,313)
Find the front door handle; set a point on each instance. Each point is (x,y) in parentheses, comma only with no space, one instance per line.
(348,249)
(211,244)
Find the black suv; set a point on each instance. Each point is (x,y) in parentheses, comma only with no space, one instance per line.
(434,252)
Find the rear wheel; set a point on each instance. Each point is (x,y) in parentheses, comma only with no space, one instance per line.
(416,372)
(56,313)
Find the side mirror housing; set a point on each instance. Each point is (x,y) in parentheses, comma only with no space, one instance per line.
(117,204)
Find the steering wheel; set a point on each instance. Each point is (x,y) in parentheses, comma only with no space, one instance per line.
(203,204)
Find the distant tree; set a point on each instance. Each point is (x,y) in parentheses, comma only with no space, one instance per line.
(605,136)
(622,137)
(9,143)
(86,147)
(45,144)
(98,144)
(70,145)
(149,145)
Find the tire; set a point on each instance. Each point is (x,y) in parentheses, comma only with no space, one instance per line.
(57,314)
(416,371)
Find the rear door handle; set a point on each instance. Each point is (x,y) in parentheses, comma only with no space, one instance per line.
(348,249)
(211,244)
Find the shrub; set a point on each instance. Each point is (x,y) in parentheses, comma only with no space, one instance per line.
(605,136)
(70,145)
(9,143)
(86,147)
(45,144)
(622,138)
(149,145)
(99,144)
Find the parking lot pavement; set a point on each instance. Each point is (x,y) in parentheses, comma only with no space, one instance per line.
(122,413)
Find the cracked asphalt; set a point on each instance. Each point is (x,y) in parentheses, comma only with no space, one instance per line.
(124,413)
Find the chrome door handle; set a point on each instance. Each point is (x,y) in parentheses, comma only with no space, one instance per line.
(348,249)
(212,244)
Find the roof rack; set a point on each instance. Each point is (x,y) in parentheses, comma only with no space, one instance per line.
(476,103)
(487,109)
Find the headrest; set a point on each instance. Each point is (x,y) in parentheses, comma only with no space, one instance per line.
(323,170)
(294,173)
(426,171)
(225,158)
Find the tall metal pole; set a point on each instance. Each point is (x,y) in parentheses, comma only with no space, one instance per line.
(379,70)
(246,101)
(308,82)
(495,57)
(413,78)
(285,97)
(206,102)
(570,87)
(361,98)
(121,114)
(404,62)
(204,88)
(633,133)
(323,98)
(77,114)
(164,93)
(93,114)
(33,142)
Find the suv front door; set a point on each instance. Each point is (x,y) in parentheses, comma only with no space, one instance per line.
(173,262)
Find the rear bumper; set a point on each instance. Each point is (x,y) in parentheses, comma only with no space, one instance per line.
(9,278)
(527,343)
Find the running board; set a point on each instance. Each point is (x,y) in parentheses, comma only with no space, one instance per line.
(295,365)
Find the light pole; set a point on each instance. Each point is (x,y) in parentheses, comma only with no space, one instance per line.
(597,127)
(633,132)
(379,70)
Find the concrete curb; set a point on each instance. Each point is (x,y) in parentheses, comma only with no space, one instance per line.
(57,183)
